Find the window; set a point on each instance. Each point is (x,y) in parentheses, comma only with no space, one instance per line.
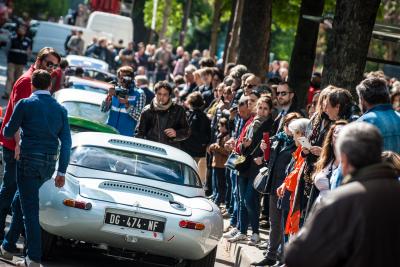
(131,163)
(85,110)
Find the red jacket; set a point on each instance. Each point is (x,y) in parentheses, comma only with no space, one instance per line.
(243,134)
(21,89)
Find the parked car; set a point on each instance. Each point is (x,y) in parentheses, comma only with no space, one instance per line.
(87,84)
(91,73)
(132,195)
(84,110)
(87,62)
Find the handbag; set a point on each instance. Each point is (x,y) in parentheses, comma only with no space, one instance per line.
(230,162)
(260,182)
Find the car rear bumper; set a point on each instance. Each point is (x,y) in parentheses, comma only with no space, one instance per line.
(89,226)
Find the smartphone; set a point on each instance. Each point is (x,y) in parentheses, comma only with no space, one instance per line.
(304,142)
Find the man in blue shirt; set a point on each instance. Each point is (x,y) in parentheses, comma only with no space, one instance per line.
(375,103)
(44,125)
(125,103)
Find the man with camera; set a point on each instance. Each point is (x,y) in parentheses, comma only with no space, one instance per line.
(124,102)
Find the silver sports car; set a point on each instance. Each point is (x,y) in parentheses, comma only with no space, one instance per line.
(130,194)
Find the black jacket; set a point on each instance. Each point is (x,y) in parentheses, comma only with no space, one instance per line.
(200,134)
(280,157)
(253,151)
(357,224)
(152,124)
(278,126)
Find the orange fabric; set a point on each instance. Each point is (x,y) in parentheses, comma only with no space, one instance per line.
(293,220)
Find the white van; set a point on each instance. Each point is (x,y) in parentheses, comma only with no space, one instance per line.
(120,27)
(53,35)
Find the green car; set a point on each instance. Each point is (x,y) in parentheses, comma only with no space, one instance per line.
(84,113)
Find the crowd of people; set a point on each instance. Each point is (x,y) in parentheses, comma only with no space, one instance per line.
(239,131)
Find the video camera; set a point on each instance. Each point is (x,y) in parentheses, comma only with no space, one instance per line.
(121,92)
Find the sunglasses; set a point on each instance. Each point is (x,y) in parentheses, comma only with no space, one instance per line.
(249,85)
(283,93)
(50,64)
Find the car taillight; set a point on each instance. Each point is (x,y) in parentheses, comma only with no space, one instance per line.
(77,204)
(191,225)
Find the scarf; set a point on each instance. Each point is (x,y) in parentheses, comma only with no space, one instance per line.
(160,107)
(283,137)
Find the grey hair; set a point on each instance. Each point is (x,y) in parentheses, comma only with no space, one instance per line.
(142,79)
(190,68)
(299,125)
(362,144)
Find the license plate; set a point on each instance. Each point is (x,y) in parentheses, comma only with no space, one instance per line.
(134,222)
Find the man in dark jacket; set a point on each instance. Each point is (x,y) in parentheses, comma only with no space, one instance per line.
(286,99)
(163,121)
(358,223)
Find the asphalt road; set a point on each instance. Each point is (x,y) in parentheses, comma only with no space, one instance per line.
(78,257)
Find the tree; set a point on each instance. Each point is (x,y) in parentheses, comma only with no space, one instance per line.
(166,12)
(139,29)
(41,9)
(186,13)
(229,30)
(234,34)
(254,35)
(349,41)
(303,53)
(218,4)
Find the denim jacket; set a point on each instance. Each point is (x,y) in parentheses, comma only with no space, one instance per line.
(387,120)
(43,124)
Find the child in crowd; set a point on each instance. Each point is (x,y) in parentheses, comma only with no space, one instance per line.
(219,157)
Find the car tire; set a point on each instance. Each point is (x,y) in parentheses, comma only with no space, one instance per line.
(207,261)
(48,244)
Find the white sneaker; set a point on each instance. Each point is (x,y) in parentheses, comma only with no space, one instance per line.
(5,254)
(231,233)
(238,237)
(254,239)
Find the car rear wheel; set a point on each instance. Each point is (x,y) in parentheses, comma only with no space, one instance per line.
(48,244)
(207,261)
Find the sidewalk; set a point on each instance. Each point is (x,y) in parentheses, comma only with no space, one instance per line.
(242,254)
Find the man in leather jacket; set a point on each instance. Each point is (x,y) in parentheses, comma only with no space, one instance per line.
(162,120)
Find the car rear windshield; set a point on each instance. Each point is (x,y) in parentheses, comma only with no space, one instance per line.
(131,163)
(85,110)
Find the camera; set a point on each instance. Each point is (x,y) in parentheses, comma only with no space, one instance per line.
(121,92)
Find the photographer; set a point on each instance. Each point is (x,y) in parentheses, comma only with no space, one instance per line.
(125,103)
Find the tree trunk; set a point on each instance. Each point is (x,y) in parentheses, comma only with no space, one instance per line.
(347,50)
(215,27)
(303,54)
(228,32)
(255,31)
(186,13)
(166,13)
(140,32)
(232,51)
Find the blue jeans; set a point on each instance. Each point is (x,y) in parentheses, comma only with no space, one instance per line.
(234,206)
(33,171)
(219,185)
(8,187)
(228,188)
(249,207)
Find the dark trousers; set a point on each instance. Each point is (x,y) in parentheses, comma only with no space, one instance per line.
(275,234)
(8,187)
(33,171)
(219,181)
